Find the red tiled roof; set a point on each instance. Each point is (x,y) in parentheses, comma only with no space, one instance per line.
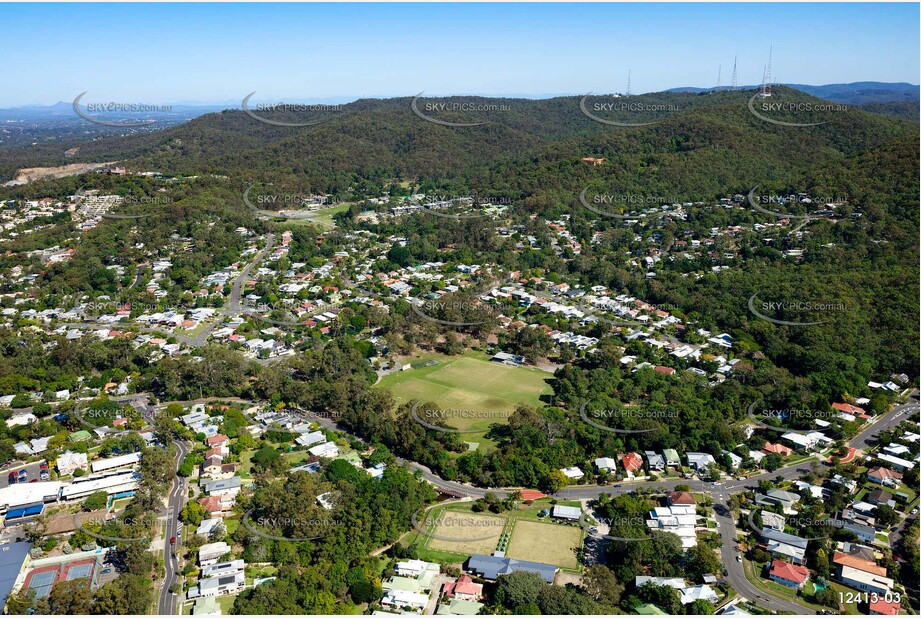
(858,563)
(850,409)
(789,572)
(883,607)
(631,461)
(666,370)
(681,497)
(884,473)
(778,449)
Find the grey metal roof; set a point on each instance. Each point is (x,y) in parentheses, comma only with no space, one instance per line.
(492,566)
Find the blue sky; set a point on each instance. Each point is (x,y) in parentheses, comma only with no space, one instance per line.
(160,53)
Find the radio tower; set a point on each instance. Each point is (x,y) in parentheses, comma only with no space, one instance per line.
(719,76)
(733,83)
(628,82)
(766,80)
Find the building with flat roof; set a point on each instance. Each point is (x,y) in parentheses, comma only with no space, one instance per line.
(112,463)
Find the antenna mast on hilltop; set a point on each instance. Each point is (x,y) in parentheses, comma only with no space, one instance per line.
(733,83)
(719,76)
(628,82)
(766,80)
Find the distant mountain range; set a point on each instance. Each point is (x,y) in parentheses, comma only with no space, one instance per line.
(856,93)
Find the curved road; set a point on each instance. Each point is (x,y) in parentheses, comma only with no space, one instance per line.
(167,604)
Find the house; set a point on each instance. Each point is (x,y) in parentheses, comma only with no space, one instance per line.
(702,592)
(209,553)
(854,561)
(656,462)
(217,586)
(491,567)
(217,440)
(680,520)
(699,461)
(788,546)
(402,598)
(213,505)
(463,588)
(327,449)
(208,526)
(804,441)
(212,465)
(224,487)
(683,498)
(606,464)
(861,580)
(671,457)
(572,473)
(310,438)
(778,497)
(415,568)
(665,370)
(69,461)
(773,520)
(460,607)
(864,533)
(224,568)
(896,462)
(572,513)
(884,476)
(879,606)
(789,575)
(776,449)
(879,496)
(631,462)
(648,609)
(677,583)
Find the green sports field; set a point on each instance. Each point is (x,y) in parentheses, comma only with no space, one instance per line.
(489,390)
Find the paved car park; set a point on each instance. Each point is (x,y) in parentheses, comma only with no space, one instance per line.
(33,470)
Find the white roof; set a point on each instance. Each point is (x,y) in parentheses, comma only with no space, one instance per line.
(111,484)
(26,493)
(568,512)
(573,472)
(606,463)
(116,462)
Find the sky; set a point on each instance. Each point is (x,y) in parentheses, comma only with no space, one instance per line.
(170,53)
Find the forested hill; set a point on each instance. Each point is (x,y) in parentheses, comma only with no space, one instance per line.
(697,142)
